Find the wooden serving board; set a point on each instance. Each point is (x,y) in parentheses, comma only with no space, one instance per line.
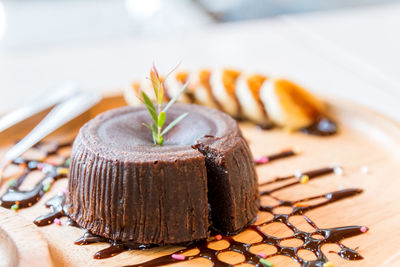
(366,141)
(21,243)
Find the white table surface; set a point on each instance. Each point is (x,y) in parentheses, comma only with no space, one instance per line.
(349,53)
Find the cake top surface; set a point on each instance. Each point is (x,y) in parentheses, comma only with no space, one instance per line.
(120,131)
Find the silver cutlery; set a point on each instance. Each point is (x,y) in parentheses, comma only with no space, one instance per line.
(42,102)
(58,116)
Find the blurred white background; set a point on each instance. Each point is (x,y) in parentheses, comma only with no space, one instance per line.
(346,48)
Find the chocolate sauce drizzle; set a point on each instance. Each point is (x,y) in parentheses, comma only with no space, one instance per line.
(57,210)
(280,155)
(27,198)
(298,208)
(115,248)
(323,126)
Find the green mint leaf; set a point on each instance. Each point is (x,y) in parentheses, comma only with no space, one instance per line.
(161,119)
(175,122)
(147,126)
(161,141)
(154,131)
(153,128)
(172,101)
(150,106)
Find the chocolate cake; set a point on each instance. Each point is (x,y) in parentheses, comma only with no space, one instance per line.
(123,187)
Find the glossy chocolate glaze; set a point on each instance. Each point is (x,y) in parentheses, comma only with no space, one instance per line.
(276,156)
(27,198)
(57,210)
(323,126)
(114,249)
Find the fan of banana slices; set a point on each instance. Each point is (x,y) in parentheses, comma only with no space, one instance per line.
(254,97)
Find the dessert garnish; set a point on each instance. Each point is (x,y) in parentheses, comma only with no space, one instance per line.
(159,114)
(263,100)
(125,188)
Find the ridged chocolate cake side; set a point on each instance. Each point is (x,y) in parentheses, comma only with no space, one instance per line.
(123,187)
(232,183)
(149,202)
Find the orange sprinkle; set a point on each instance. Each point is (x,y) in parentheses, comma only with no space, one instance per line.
(304,179)
(298,205)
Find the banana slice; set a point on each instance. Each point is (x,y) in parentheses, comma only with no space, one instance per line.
(132,93)
(174,84)
(248,93)
(290,105)
(202,89)
(223,83)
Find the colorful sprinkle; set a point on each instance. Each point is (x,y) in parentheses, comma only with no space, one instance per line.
(40,166)
(218,237)
(67,162)
(338,170)
(179,257)
(328,264)
(301,205)
(298,174)
(266,263)
(15,207)
(304,179)
(62,171)
(261,160)
(64,191)
(12,183)
(363,229)
(57,221)
(262,255)
(46,187)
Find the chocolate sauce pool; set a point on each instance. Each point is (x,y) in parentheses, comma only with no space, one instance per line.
(322,126)
(298,207)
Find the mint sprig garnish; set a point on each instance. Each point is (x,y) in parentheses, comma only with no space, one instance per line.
(157,113)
